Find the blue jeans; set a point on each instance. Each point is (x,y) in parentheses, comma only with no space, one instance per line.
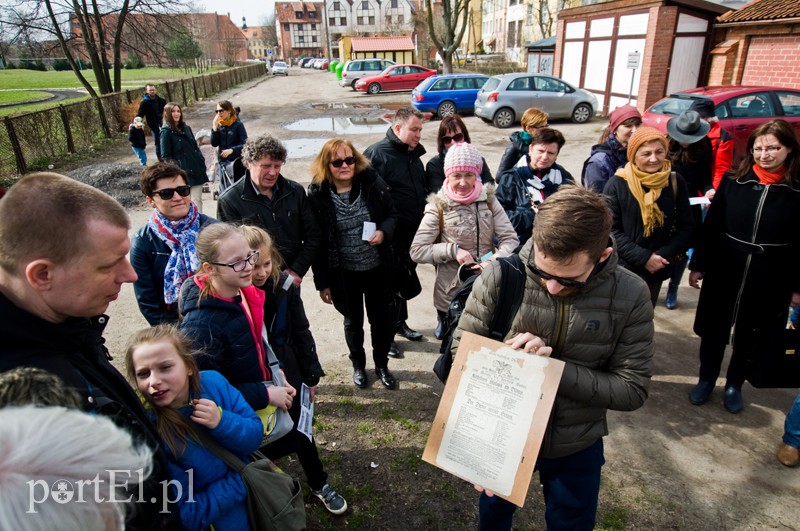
(791,435)
(571,486)
(140,152)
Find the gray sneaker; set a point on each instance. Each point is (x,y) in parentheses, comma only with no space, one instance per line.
(332,500)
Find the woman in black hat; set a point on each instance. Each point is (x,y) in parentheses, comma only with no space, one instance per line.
(689,151)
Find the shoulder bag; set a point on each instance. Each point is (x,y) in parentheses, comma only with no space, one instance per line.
(274,499)
(776,361)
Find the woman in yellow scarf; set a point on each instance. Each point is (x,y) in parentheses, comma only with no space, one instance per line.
(653,222)
(228,136)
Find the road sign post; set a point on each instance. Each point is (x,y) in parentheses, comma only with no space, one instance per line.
(633,64)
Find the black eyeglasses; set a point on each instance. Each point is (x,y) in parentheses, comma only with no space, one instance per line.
(167,193)
(566,282)
(347,160)
(240,265)
(458,137)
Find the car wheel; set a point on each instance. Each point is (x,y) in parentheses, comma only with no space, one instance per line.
(446,108)
(504,118)
(353,84)
(581,113)
(374,88)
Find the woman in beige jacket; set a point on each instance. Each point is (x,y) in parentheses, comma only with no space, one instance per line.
(460,225)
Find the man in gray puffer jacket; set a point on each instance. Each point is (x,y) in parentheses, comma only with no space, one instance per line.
(579,307)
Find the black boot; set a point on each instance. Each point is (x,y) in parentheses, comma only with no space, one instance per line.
(409,333)
(438,333)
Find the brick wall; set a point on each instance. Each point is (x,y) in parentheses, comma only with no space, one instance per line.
(766,54)
(657,55)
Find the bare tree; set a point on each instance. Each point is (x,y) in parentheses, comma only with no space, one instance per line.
(545,13)
(447,38)
(85,29)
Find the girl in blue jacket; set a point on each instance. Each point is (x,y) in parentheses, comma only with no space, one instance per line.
(160,364)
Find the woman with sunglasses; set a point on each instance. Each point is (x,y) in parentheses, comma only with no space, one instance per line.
(519,142)
(460,226)
(228,135)
(451,131)
(178,145)
(747,258)
(653,222)
(163,251)
(223,315)
(355,208)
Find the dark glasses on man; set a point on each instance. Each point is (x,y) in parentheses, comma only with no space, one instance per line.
(458,137)
(347,160)
(566,282)
(167,193)
(240,265)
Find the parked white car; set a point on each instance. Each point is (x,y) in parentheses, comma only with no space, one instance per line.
(279,67)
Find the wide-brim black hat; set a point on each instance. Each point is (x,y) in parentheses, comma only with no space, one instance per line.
(688,127)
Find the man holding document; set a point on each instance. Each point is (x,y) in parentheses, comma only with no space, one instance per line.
(580,308)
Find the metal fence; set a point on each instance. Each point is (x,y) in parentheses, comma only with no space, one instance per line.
(32,141)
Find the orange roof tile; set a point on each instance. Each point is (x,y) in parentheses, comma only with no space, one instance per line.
(381,44)
(763,10)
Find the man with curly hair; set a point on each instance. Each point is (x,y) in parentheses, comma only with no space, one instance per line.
(267,199)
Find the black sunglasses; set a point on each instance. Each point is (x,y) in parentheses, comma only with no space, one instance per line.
(167,193)
(566,282)
(458,137)
(217,111)
(347,160)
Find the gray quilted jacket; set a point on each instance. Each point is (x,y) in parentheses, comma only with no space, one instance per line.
(604,333)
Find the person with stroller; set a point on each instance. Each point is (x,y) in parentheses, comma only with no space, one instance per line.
(228,135)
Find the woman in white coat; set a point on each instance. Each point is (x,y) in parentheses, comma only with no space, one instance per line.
(461,224)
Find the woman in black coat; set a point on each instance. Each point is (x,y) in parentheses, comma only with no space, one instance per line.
(228,135)
(652,223)
(354,268)
(747,259)
(451,131)
(178,145)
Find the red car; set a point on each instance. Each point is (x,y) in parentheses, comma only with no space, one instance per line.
(395,77)
(739,109)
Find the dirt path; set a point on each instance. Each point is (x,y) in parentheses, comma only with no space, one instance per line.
(670,465)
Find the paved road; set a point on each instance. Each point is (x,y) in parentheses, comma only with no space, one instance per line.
(705,467)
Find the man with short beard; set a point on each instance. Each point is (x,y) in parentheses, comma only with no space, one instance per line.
(579,307)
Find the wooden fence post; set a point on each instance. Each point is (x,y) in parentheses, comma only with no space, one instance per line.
(168,91)
(18,156)
(194,87)
(183,91)
(67,130)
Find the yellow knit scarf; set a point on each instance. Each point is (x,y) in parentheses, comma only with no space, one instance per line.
(637,180)
(228,122)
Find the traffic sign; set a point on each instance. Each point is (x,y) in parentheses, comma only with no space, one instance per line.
(269,51)
(633,60)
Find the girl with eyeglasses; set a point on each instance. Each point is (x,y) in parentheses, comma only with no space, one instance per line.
(745,262)
(452,130)
(178,145)
(223,314)
(163,251)
(228,135)
(353,270)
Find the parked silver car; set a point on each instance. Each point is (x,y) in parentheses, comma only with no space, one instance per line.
(280,67)
(355,69)
(504,98)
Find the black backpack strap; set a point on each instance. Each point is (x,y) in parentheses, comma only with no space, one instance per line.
(512,287)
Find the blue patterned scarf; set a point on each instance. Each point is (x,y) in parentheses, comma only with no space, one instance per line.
(180,236)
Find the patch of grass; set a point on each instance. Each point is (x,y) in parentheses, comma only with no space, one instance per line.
(614,520)
(384,440)
(366,427)
(22,96)
(388,414)
(357,406)
(444,488)
(320,424)
(22,79)
(330,458)
(7,111)
(408,461)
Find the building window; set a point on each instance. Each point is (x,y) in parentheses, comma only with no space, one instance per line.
(332,21)
(400,19)
(337,6)
(388,19)
(371,21)
(300,39)
(313,27)
(298,14)
(312,14)
(343,21)
(394,4)
(365,4)
(313,38)
(360,21)
(286,27)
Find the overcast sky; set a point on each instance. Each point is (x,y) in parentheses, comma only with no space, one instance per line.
(254,10)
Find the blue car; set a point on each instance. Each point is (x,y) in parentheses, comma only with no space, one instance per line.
(448,94)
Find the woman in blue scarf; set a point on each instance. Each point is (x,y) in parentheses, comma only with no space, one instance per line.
(163,251)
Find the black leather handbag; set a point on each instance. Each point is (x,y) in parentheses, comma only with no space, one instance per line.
(776,361)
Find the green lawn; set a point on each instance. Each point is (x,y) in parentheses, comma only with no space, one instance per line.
(33,79)
(21,96)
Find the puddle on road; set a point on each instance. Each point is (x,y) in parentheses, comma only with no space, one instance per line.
(341,125)
(342,105)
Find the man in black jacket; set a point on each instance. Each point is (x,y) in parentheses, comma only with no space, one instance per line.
(151,109)
(267,199)
(397,160)
(63,259)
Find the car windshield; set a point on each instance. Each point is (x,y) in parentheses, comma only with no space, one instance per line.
(673,106)
(279,63)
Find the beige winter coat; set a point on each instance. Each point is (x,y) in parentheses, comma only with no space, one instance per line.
(604,333)
(472,227)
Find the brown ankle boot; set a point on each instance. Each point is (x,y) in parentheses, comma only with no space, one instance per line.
(788,455)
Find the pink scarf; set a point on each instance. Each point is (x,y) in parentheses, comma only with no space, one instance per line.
(464,200)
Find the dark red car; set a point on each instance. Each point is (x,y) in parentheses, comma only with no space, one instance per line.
(739,109)
(395,77)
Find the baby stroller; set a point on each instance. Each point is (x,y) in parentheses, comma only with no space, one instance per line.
(228,174)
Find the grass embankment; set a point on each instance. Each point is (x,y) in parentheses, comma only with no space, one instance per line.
(18,96)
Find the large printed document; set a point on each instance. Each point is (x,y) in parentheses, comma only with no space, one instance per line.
(492,416)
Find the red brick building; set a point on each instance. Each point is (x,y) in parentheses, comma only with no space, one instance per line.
(300,29)
(669,40)
(758,45)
